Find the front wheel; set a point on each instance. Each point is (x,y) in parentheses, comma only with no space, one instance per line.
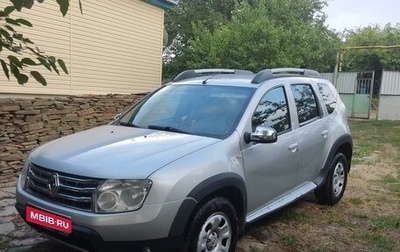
(333,189)
(214,228)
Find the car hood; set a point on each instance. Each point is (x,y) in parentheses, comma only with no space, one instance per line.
(116,151)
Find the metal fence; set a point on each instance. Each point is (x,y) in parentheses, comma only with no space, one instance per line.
(389,97)
(356,93)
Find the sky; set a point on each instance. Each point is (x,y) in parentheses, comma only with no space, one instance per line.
(352,14)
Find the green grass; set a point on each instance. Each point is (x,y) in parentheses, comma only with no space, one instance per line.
(356,201)
(373,137)
(370,136)
(259,250)
(360,216)
(386,222)
(376,240)
(290,241)
(323,249)
(379,242)
(392,182)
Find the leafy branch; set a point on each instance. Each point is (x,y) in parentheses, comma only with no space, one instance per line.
(15,43)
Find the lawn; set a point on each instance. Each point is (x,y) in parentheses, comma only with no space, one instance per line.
(367,218)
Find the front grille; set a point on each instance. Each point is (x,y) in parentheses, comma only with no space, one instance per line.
(61,188)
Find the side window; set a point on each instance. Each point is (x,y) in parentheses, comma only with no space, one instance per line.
(305,102)
(328,97)
(272,111)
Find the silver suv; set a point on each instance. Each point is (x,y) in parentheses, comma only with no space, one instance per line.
(192,163)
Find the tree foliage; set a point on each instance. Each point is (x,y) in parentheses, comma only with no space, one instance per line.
(372,58)
(17,52)
(179,25)
(252,35)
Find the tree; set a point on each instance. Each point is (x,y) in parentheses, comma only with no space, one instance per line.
(211,13)
(18,53)
(372,58)
(179,21)
(256,35)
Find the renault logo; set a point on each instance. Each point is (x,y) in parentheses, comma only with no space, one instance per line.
(53,183)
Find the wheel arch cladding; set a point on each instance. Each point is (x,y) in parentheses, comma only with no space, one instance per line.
(227,185)
(343,144)
(347,149)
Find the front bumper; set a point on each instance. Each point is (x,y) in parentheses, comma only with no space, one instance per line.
(88,239)
(147,227)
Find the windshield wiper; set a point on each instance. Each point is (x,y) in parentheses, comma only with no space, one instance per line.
(167,128)
(128,124)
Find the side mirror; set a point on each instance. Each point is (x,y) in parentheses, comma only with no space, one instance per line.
(262,134)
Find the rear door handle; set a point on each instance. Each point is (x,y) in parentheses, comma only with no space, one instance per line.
(294,147)
(324,133)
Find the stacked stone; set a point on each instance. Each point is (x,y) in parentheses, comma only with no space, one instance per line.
(27,123)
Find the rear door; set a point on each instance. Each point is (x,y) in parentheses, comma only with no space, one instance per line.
(313,130)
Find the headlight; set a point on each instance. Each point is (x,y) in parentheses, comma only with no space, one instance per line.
(24,173)
(121,195)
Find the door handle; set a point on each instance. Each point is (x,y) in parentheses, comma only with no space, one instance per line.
(324,133)
(293,147)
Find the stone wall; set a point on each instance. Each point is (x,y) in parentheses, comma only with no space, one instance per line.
(26,123)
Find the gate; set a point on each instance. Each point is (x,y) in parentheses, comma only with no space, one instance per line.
(363,97)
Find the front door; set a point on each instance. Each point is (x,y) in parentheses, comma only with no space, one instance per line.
(271,169)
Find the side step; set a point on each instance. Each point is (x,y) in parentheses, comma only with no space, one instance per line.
(282,201)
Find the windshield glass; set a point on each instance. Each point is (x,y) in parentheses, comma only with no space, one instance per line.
(212,111)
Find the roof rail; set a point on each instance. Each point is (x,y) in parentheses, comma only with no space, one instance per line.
(210,71)
(267,74)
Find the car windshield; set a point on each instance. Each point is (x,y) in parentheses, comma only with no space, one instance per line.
(206,110)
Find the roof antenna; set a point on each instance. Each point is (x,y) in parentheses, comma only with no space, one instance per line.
(222,72)
(205,81)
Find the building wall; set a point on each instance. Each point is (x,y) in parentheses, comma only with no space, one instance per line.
(27,123)
(113,47)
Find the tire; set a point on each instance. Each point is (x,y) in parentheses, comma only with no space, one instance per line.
(334,186)
(213,228)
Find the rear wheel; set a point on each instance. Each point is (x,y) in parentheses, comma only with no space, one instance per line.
(333,189)
(214,228)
